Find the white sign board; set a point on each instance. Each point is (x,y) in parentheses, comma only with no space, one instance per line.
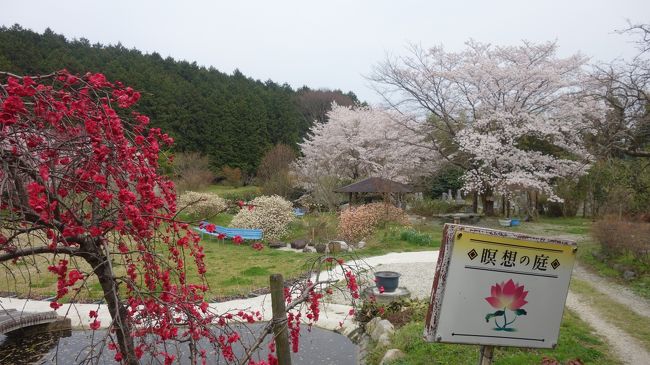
(499,288)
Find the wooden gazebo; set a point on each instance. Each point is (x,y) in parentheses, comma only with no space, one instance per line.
(375,185)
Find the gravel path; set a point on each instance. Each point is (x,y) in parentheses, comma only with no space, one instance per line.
(627,348)
(614,291)
(417,277)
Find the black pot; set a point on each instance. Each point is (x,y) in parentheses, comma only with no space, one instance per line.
(388,279)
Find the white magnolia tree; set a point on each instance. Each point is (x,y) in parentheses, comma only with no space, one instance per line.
(360,142)
(513,117)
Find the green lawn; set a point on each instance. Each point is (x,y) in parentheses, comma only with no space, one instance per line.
(576,341)
(234,193)
(237,270)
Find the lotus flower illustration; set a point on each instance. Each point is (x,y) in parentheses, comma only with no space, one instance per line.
(503,297)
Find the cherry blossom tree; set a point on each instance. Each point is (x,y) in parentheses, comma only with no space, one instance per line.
(80,189)
(359,142)
(513,117)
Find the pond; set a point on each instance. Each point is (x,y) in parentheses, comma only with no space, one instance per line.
(318,347)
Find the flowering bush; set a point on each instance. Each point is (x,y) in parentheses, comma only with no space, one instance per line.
(358,222)
(272,214)
(80,183)
(201,205)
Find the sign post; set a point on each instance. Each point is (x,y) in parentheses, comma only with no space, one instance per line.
(498,288)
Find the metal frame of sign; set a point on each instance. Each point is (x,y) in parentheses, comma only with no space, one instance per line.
(450,233)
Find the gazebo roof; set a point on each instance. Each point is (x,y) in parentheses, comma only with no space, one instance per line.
(375,185)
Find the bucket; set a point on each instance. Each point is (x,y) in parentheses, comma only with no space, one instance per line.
(505,222)
(388,279)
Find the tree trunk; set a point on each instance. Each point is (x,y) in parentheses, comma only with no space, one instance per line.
(488,205)
(538,207)
(475,202)
(116,308)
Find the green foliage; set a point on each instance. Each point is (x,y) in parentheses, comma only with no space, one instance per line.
(256,271)
(205,110)
(398,312)
(416,238)
(617,186)
(447,178)
(576,341)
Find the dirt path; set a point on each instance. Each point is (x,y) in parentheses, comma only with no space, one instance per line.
(627,349)
(614,291)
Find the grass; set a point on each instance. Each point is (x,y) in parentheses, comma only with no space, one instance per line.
(391,238)
(234,193)
(589,254)
(232,271)
(576,341)
(634,324)
(566,227)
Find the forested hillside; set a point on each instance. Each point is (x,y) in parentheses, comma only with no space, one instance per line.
(231,118)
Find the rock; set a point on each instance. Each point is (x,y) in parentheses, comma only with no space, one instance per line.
(391,355)
(380,328)
(277,244)
(361,244)
(384,340)
(337,246)
(309,249)
(321,248)
(370,326)
(298,244)
(599,256)
(629,275)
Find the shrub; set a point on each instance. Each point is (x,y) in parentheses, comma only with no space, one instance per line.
(232,176)
(318,227)
(272,214)
(356,223)
(201,205)
(416,238)
(280,183)
(618,237)
(191,171)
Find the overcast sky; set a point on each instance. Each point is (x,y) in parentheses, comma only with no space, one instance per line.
(331,43)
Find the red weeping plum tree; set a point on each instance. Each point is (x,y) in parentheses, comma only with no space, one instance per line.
(80,188)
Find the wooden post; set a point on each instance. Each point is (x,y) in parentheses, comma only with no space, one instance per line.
(280,329)
(456,219)
(486,355)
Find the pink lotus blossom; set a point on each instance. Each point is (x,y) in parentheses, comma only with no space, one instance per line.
(507,295)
